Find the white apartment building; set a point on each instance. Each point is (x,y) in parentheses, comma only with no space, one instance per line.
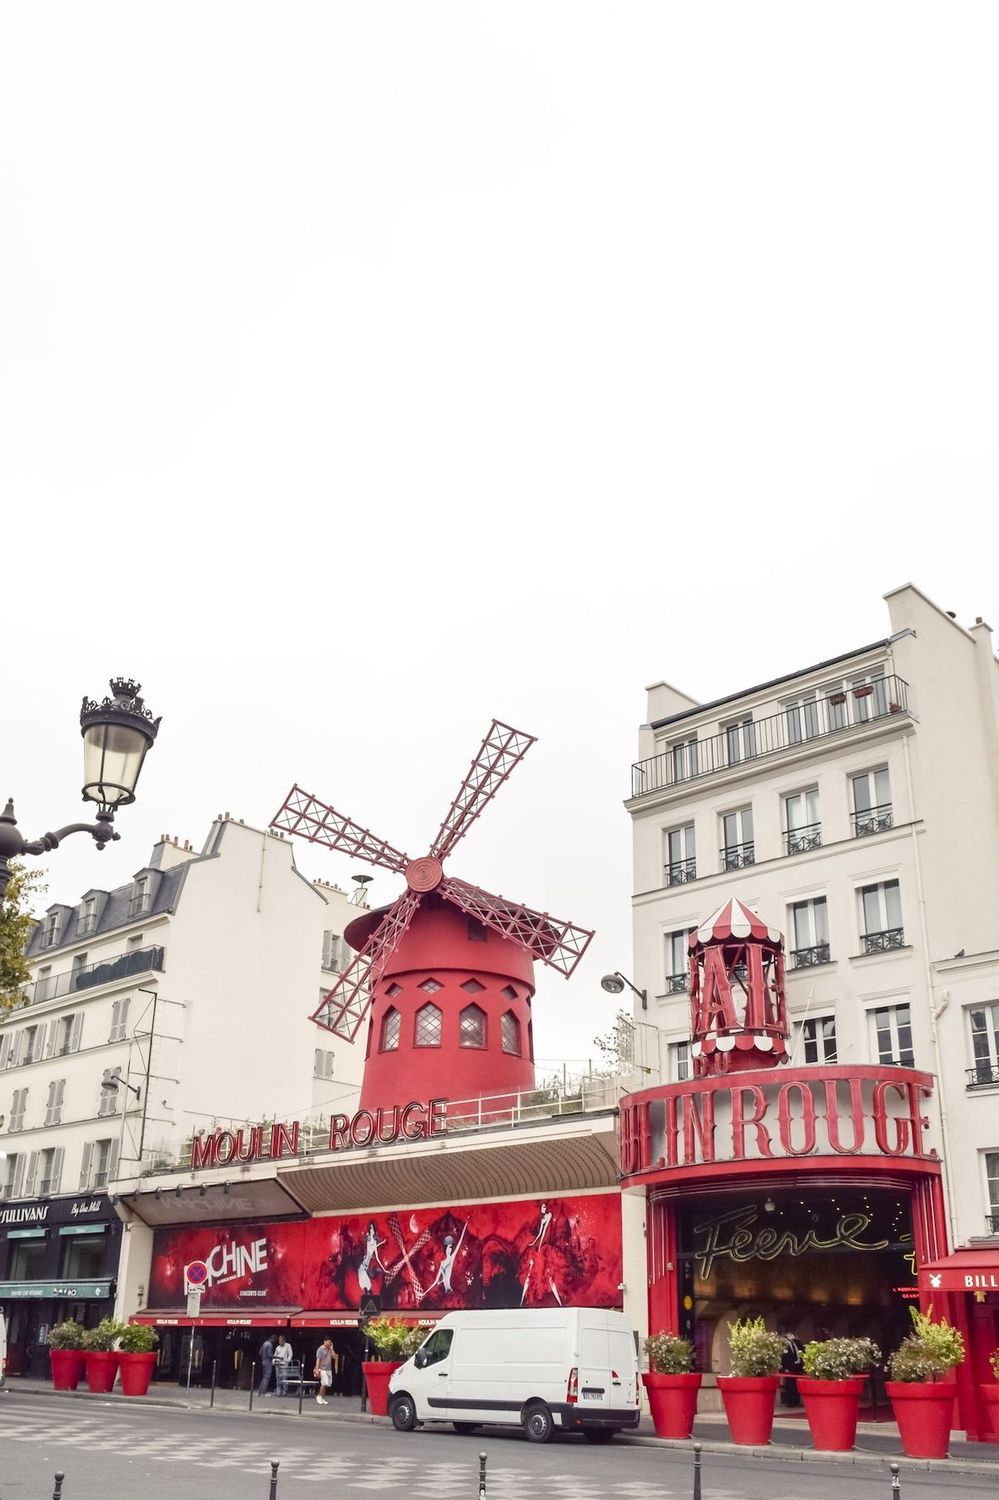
(855,805)
(155,1010)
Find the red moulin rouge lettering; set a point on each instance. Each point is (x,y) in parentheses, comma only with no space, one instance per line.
(740,1123)
(785,1119)
(271,1143)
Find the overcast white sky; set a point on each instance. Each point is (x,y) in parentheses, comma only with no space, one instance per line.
(368,370)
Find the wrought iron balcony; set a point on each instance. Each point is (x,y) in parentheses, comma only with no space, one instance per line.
(809,958)
(800,840)
(110,971)
(676,984)
(738,856)
(880,942)
(982,1074)
(816,720)
(872,820)
(681,872)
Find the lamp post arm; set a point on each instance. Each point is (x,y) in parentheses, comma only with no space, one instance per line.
(102,832)
(13,844)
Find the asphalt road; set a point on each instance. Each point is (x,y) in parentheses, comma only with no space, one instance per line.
(114,1452)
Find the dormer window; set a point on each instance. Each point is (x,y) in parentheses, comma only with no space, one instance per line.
(87,920)
(141,892)
(50,931)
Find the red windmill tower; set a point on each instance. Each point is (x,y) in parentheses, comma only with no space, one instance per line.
(447,971)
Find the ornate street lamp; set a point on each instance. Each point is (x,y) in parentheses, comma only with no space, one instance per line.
(116,736)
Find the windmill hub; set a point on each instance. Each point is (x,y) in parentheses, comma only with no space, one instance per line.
(424,874)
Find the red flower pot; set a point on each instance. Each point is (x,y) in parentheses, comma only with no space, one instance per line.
(672,1402)
(991,1395)
(377,1373)
(136,1372)
(67,1368)
(832,1408)
(923,1411)
(749,1406)
(101,1367)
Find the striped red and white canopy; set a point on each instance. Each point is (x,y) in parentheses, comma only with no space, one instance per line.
(733,920)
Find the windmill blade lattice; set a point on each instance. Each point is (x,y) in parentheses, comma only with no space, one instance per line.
(306,816)
(500,752)
(557,943)
(346,1005)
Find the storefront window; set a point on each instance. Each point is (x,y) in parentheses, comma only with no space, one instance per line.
(83,1256)
(27,1260)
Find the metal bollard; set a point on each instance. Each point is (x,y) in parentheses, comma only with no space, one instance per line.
(275,1465)
(57,1492)
(301,1388)
(253,1382)
(697,1471)
(896,1486)
(215,1365)
(482,1476)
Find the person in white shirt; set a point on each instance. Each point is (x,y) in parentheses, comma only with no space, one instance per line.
(282,1359)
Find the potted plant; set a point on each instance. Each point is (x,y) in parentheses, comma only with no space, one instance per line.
(137,1358)
(749,1393)
(831,1388)
(671,1384)
(66,1354)
(101,1355)
(394,1341)
(922,1399)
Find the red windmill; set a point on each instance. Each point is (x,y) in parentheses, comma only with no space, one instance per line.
(447,971)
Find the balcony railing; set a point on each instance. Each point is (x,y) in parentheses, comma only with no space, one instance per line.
(993,1222)
(880,942)
(681,872)
(110,971)
(676,984)
(788,730)
(809,958)
(872,820)
(738,856)
(982,1074)
(800,840)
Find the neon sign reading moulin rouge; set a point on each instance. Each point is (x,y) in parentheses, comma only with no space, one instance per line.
(731,1237)
(380,1127)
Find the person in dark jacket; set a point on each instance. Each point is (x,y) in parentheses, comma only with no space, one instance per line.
(266,1366)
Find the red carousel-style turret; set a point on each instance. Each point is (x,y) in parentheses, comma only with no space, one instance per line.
(447,971)
(738,1010)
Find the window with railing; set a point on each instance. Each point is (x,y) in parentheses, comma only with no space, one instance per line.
(992,1188)
(892,1025)
(738,850)
(802,824)
(680,1064)
(872,809)
(740,740)
(681,861)
(809,924)
(818,1039)
(33,1045)
(684,758)
(881,917)
(676,962)
(331,951)
(984,1023)
(50,930)
(141,898)
(86,922)
(13,1175)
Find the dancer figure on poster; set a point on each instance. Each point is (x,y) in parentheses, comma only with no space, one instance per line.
(372,1245)
(546,1257)
(443,1277)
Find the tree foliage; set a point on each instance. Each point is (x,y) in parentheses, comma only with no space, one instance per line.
(16,923)
(618,1046)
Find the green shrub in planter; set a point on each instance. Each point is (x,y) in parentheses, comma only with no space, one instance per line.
(137,1338)
(105,1336)
(669,1354)
(838,1359)
(927,1354)
(68,1335)
(994,1362)
(754,1350)
(393,1339)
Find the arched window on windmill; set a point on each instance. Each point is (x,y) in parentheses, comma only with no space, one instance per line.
(472,1027)
(391,1029)
(429,1024)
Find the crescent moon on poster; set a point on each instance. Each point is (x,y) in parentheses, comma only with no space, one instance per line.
(413,1224)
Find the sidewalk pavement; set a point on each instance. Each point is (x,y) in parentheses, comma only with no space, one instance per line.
(877,1442)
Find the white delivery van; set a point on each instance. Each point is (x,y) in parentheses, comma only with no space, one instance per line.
(569,1369)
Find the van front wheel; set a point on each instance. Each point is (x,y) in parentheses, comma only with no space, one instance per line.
(538,1422)
(403,1412)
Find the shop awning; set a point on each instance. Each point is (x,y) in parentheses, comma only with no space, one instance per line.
(176,1317)
(972,1269)
(353,1320)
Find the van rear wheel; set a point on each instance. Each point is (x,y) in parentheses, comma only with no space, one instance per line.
(466,1427)
(598,1434)
(538,1422)
(403,1412)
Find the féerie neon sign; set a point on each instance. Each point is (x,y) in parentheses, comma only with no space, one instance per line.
(732,1236)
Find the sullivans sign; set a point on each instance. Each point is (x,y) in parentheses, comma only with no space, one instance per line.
(760,1117)
(378,1127)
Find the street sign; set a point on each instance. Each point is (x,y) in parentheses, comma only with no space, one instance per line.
(194,1304)
(195,1274)
(370,1308)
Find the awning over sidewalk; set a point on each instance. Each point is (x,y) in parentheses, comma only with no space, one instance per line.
(353,1319)
(971,1269)
(176,1317)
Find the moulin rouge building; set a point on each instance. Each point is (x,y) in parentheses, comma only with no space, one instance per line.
(810,1195)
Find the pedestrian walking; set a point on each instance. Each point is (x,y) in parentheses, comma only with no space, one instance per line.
(266,1366)
(324,1370)
(282,1359)
(791,1366)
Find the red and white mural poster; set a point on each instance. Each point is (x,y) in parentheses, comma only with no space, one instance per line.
(534,1253)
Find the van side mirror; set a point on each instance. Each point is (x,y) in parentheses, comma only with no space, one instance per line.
(420,1358)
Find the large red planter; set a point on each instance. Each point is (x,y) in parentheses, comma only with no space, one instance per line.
(923,1411)
(101,1367)
(672,1402)
(136,1372)
(749,1406)
(377,1373)
(67,1368)
(832,1408)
